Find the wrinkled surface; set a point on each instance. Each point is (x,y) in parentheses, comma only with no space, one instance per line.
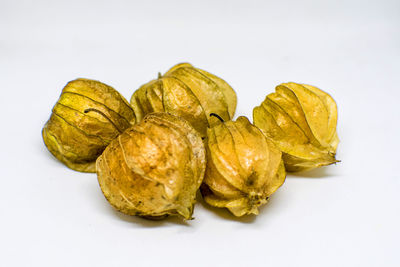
(301,120)
(154,168)
(243,167)
(86,118)
(188,92)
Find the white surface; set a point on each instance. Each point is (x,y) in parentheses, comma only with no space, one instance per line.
(343,215)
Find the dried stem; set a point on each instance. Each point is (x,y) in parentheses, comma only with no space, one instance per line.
(217,116)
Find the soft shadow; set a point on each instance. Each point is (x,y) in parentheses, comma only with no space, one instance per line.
(148,222)
(224,213)
(323,172)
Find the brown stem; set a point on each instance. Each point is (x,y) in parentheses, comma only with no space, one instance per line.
(104,115)
(217,116)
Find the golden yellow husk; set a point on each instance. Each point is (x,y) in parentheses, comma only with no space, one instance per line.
(86,118)
(301,121)
(154,168)
(188,92)
(244,168)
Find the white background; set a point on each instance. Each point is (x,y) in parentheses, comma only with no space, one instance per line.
(342,215)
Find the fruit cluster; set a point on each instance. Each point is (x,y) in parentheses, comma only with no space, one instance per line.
(177,135)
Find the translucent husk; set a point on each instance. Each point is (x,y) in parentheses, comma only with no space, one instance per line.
(243,167)
(188,92)
(86,118)
(301,120)
(154,168)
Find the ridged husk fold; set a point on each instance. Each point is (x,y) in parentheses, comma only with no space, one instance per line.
(86,118)
(301,120)
(188,92)
(243,167)
(154,168)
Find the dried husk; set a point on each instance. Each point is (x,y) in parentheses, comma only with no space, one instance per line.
(301,120)
(188,92)
(86,118)
(154,168)
(243,169)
